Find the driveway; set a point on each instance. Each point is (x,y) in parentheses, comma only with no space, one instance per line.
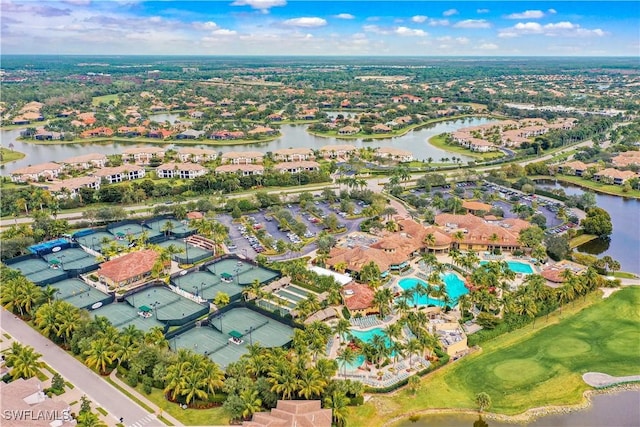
(97,389)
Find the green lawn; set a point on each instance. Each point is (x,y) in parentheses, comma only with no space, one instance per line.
(530,367)
(625,275)
(579,240)
(7,155)
(105,99)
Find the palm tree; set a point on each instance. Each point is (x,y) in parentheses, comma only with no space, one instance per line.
(346,357)
(527,307)
(382,299)
(310,384)
(284,380)
(23,361)
(193,386)
(100,355)
(337,402)
(414,346)
(381,351)
(342,328)
(565,294)
(255,290)
(251,403)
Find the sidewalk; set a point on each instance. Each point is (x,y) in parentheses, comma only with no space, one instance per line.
(156,409)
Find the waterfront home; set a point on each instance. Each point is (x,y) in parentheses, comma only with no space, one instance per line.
(96,132)
(45,135)
(71,187)
(159,133)
(358,298)
(575,167)
(337,151)
(348,130)
(480,145)
(120,173)
(86,161)
(626,159)
(245,169)
(293,154)
(48,170)
(131,131)
(262,130)
(297,167)
(196,155)
(142,155)
(127,269)
(242,157)
(396,154)
(227,135)
(190,134)
(380,128)
(614,176)
(180,170)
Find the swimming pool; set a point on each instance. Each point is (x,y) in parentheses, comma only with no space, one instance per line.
(516,266)
(452,283)
(366,336)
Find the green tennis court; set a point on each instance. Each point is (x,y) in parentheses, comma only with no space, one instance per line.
(252,328)
(72,259)
(38,271)
(97,240)
(78,293)
(207,285)
(190,254)
(176,227)
(134,230)
(167,305)
(243,272)
(122,315)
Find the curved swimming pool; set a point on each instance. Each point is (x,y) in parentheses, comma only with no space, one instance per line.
(453,284)
(516,266)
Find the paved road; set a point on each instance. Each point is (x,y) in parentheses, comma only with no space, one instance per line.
(97,389)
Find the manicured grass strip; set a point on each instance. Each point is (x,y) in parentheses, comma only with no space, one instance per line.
(579,240)
(129,395)
(7,155)
(7,336)
(102,411)
(69,385)
(625,275)
(41,376)
(529,367)
(48,368)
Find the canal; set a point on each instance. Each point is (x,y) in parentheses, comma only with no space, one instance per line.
(624,243)
(619,409)
(415,141)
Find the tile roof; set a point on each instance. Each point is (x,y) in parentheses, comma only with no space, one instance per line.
(129,265)
(361,299)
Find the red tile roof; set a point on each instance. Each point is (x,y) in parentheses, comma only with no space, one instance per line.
(362,297)
(129,265)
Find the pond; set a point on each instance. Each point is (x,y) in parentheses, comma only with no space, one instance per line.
(415,141)
(618,409)
(624,244)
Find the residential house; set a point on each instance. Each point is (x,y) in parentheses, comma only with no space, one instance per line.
(337,151)
(120,173)
(575,167)
(48,170)
(142,155)
(626,159)
(293,413)
(614,176)
(97,132)
(190,134)
(262,130)
(297,167)
(86,161)
(293,154)
(180,170)
(27,405)
(245,169)
(227,135)
(380,128)
(160,133)
(348,130)
(196,155)
(133,267)
(395,154)
(44,135)
(475,207)
(71,187)
(242,157)
(131,131)
(436,100)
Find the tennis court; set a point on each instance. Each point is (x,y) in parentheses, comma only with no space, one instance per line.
(78,293)
(167,306)
(250,326)
(190,254)
(122,315)
(176,227)
(99,239)
(38,271)
(244,272)
(207,285)
(72,259)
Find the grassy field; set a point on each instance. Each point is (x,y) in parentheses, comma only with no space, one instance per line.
(625,275)
(615,190)
(105,99)
(579,240)
(439,142)
(7,155)
(529,367)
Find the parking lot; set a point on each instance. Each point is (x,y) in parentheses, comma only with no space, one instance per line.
(239,245)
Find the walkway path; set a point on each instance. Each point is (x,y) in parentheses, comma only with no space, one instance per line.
(97,389)
(599,380)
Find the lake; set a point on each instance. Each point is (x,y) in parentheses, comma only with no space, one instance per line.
(611,410)
(624,245)
(415,141)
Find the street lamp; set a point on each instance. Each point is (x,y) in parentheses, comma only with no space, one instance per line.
(249,331)
(202,290)
(220,320)
(186,250)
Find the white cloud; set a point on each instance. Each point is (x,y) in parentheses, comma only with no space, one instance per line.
(527,14)
(462,40)
(205,26)
(563,28)
(482,11)
(438,22)
(473,23)
(552,11)
(488,46)
(450,12)
(263,5)
(375,29)
(224,32)
(306,22)
(419,19)
(344,16)
(405,31)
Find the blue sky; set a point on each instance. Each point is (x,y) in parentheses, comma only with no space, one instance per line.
(285,27)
